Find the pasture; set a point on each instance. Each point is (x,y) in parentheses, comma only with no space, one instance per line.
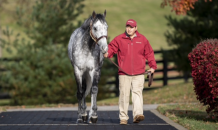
(148,14)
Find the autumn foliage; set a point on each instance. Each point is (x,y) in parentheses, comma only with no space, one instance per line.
(180,6)
(204,63)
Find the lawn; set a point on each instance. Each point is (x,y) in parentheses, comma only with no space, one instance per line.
(191,116)
(148,14)
(179,93)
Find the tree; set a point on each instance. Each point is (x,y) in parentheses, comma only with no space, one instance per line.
(199,23)
(50,20)
(1,4)
(44,73)
(180,6)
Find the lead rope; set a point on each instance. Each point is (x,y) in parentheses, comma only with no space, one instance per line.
(149,74)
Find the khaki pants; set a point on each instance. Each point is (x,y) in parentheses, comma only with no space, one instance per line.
(136,85)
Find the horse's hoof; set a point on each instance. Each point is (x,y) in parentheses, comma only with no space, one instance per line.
(93,120)
(79,121)
(85,118)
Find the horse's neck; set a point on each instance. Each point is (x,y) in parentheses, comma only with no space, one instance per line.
(87,40)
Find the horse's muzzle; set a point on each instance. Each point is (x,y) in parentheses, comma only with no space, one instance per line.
(104,49)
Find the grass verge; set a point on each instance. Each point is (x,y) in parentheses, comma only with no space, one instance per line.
(177,93)
(191,116)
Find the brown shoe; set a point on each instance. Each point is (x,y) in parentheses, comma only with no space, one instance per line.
(123,122)
(138,118)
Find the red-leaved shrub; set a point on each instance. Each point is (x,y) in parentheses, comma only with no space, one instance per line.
(204,63)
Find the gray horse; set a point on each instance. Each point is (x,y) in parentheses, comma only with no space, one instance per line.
(86,47)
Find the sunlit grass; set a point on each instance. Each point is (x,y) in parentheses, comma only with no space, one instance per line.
(179,93)
(148,14)
(191,116)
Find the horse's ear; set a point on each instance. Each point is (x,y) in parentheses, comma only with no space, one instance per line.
(93,14)
(105,13)
(91,23)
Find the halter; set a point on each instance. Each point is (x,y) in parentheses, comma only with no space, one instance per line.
(93,37)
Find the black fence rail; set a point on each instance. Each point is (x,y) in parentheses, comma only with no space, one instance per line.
(165,70)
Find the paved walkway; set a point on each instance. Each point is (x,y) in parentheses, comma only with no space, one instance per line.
(65,119)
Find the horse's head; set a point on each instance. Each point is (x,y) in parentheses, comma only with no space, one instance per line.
(98,30)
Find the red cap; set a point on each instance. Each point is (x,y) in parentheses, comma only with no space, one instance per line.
(131,22)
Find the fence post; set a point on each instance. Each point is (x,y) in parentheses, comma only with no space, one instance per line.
(0,46)
(164,70)
(186,76)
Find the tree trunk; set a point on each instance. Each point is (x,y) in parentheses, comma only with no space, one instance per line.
(0,46)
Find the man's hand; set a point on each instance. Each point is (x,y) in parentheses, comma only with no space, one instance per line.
(106,55)
(151,70)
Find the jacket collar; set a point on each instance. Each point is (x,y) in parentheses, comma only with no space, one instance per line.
(125,35)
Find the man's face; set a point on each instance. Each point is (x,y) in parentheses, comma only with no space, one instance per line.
(131,30)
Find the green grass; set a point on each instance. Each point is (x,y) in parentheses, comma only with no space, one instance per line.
(148,14)
(4,102)
(179,93)
(191,116)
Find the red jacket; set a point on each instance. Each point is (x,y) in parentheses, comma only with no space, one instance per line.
(132,54)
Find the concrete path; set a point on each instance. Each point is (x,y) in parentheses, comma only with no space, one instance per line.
(65,119)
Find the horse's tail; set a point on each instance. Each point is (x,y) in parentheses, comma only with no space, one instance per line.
(87,92)
(88,85)
(81,94)
(71,44)
(84,86)
(70,48)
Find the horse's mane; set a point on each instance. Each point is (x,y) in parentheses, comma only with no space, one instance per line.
(86,24)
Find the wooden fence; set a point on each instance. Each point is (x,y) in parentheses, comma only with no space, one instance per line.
(165,70)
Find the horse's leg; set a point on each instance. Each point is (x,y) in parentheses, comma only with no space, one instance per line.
(83,103)
(94,91)
(86,85)
(83,110)
(78,75)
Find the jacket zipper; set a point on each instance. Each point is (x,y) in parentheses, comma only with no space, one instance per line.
(132,55)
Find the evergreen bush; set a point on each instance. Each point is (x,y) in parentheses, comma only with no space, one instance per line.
(44,73)
(41,76)
(199,23)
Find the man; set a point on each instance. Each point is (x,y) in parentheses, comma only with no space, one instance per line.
(132,49)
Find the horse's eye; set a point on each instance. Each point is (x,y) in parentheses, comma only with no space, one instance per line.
(95,28)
